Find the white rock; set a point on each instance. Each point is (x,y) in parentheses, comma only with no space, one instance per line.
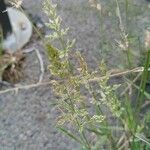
(22,31)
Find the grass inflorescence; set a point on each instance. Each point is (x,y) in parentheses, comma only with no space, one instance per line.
(91,111)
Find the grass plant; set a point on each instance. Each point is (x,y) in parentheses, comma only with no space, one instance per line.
(90,111)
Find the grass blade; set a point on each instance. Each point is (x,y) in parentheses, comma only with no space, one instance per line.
(70,135)
(143,83)
(147,95)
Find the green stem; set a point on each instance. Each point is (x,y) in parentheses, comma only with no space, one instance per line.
(61,40)
(143,83)
(141,92)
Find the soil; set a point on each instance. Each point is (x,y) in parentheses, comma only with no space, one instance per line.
(26,116)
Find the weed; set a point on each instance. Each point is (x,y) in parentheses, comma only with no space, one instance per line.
(90,111)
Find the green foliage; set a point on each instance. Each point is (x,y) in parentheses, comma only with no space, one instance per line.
(91,113)
(143,81)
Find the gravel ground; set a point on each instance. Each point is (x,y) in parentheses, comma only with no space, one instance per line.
(26,118)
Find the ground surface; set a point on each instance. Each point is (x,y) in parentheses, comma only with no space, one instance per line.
(26,118)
